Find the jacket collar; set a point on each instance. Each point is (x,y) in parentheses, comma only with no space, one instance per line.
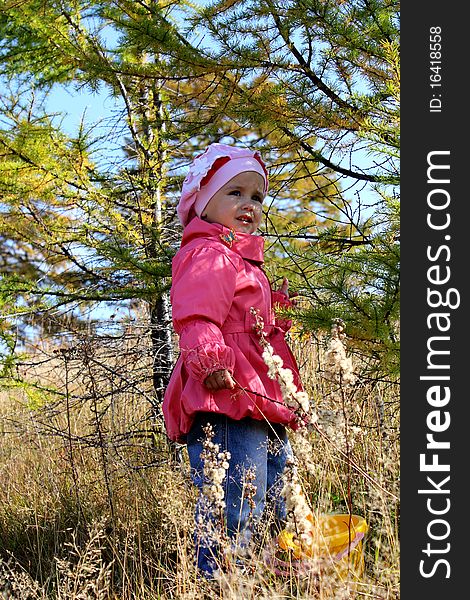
(248,246)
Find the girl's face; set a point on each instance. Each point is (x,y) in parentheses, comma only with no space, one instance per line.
(237,204)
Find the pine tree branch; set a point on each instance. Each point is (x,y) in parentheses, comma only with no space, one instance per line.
(317,81)
(317,156)
(320,238)
(242,93)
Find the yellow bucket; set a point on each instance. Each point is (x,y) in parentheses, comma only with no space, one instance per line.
(337,537)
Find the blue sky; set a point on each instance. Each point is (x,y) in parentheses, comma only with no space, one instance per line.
(72,104)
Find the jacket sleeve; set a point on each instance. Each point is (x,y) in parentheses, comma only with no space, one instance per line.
(202,292)
(281,300)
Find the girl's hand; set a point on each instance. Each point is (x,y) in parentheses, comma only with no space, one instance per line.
(284,289)
(220,380)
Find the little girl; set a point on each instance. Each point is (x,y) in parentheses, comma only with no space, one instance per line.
(220,377)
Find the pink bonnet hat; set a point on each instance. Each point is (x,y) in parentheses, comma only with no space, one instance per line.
(205,178)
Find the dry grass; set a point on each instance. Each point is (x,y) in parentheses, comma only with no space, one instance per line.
(94,505)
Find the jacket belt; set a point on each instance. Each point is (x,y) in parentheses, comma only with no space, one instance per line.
(242,327)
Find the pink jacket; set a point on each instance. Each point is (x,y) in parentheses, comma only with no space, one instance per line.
(215,283)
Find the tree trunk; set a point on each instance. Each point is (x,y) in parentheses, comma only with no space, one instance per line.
(162,345)
(153,132)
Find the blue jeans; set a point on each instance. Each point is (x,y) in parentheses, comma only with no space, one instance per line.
(254,444)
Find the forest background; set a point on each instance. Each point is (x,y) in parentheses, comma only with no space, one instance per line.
(91,498)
